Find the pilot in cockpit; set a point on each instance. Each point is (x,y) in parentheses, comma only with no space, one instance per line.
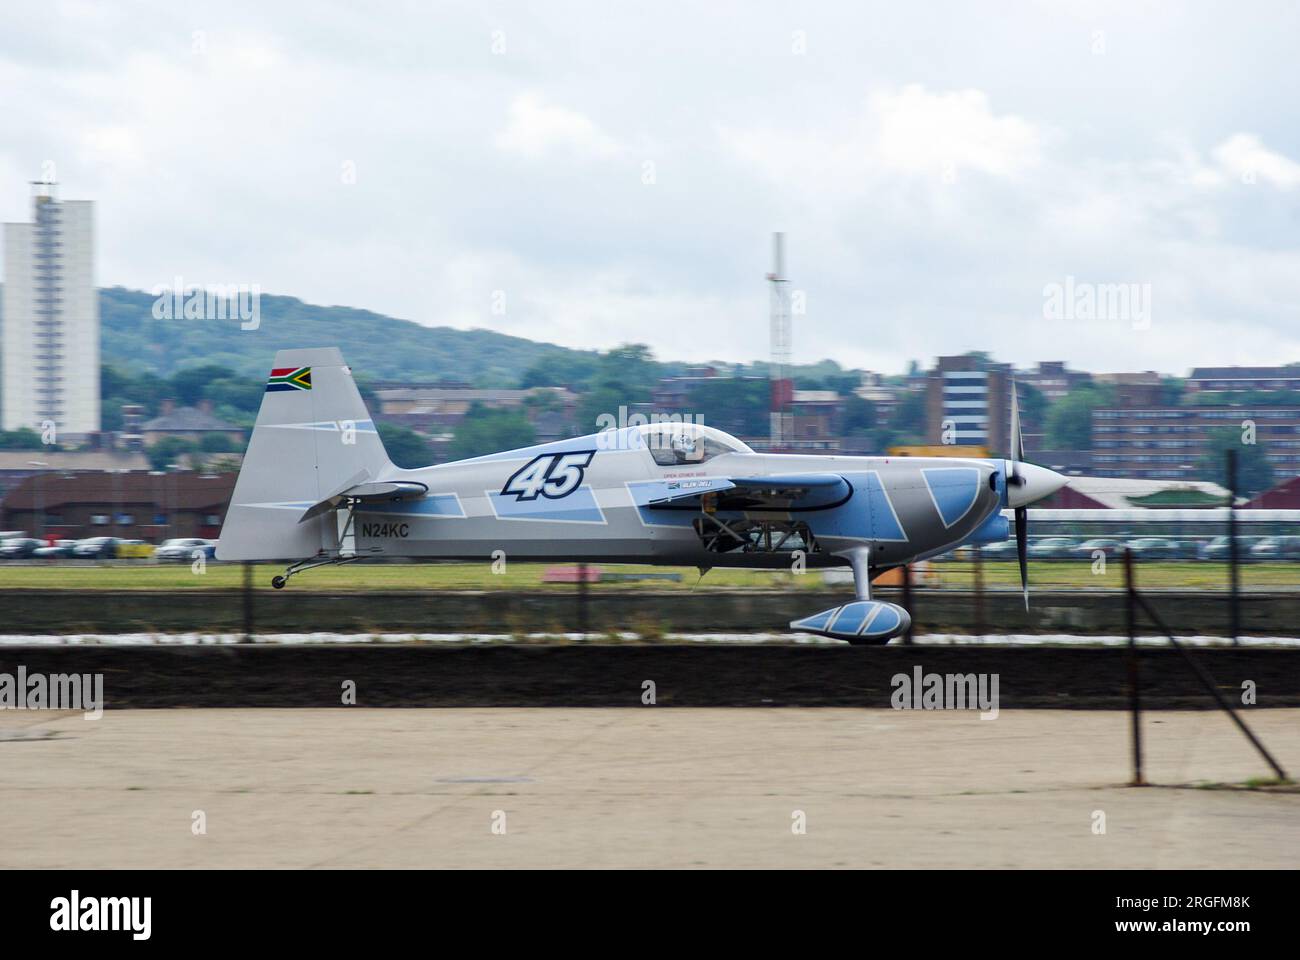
(687,448)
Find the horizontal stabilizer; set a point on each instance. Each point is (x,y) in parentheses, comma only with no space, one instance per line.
(369,493)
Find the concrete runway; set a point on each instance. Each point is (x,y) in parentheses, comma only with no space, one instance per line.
(652,787)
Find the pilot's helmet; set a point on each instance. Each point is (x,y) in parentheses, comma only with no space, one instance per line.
(686,448)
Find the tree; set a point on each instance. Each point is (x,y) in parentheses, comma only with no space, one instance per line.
(242,395)
(406,448)
(858,417)
(168,450)
(623,376)
(737,405)
(1033,404)
(632,365)
(220,443)
(190,385)
(907,421)
(1172,391)
(24,438)
(543,401)
(844,384)
(486,430)
(1069,420)
(1254,471)
(560,370)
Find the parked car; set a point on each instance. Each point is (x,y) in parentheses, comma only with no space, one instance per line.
(19,548)
(1051,548)
(1217,549)
(1276,548)
(182,549)
(1155,548)
(59,550)
(1111,548)
(999,549)
(96,548)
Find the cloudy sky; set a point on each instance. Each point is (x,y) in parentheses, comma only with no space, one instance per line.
(605,173)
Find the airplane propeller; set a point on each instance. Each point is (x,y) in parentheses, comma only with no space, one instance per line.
(1016,478)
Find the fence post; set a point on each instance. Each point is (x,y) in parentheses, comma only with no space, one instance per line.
(1134,678)
(1234,601)
(248,602)
(907,602)
(582,598)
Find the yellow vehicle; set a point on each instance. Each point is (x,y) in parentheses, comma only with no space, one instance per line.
(940,450)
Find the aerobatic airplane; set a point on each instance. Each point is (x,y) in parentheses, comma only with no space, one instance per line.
(316,488)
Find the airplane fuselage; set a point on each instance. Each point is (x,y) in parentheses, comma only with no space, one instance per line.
(590,498)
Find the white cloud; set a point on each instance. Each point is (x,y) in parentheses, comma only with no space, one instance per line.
(537,128)
(1247,159)
(937,133)
(911,133)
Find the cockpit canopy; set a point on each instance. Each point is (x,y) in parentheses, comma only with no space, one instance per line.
(675,444)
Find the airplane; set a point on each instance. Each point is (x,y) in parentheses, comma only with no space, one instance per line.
(316,488)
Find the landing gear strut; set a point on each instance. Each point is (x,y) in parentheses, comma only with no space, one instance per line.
(347,546)
(863,621)
(302,566)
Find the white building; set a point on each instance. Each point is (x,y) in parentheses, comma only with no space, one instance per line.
(49,328)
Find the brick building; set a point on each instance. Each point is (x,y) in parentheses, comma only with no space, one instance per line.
(1239,379)
(140,505)
(1168,442)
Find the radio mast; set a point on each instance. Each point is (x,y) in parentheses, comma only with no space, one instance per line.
(778,369)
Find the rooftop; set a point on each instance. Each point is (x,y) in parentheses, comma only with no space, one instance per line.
(1291,372)
(21,460)
(1117,493)
(188,420)
(181,491)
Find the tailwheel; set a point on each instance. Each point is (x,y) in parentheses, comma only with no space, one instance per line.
(278,582)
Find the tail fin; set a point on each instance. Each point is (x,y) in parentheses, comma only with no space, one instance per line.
(313,439)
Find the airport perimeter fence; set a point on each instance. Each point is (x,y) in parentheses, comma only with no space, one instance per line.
(1135,604)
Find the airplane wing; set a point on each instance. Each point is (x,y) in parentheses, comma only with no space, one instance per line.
(803,491)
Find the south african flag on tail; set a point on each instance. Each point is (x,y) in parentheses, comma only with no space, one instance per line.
(289,378)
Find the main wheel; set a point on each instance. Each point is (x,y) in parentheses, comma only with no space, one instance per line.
(278,582)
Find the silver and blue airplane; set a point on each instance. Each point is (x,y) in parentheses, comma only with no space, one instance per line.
(316,487)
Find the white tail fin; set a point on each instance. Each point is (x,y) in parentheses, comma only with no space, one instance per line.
(313,439)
